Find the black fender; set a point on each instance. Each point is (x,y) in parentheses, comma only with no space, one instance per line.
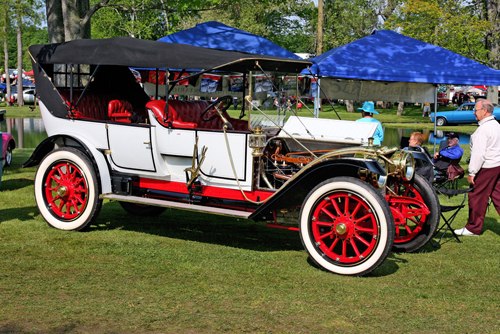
(294,192)
(47,145)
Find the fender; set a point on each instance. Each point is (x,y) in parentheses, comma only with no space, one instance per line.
(97,158)
(294,192)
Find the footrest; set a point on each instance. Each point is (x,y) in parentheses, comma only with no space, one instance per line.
(177,205)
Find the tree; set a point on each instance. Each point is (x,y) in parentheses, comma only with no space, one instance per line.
(70,19)
(319,33)
(452,24)
(467,28)
(19,24)
(347,20)
(4,24)
(286,23)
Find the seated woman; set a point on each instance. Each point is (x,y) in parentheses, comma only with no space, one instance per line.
(423,160)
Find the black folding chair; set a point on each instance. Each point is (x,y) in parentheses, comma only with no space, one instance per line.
(454,210)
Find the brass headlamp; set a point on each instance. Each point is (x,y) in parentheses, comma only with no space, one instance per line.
(402,164)
(257,141)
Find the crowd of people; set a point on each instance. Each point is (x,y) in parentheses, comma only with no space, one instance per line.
(460,98)
(484,165)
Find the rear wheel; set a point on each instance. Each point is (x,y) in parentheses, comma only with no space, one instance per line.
(142,209)
(8,154)
(441,121)
(416,212)
(346,226)
(67,190)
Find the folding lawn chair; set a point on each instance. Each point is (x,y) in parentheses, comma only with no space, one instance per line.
(454,210)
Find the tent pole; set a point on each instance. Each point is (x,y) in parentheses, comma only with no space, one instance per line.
(316,100)
(435,115)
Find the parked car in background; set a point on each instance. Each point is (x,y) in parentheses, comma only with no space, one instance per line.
(442,100)
(28,95)
(464,114)
(8,146)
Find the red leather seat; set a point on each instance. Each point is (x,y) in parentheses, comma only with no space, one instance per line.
(158,109)
(187,115)
(120,111)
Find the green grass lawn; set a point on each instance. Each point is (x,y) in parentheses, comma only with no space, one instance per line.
(195,273)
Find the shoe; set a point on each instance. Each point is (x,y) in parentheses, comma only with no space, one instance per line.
(465,231)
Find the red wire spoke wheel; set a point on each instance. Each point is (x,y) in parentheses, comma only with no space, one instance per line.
(410,214)
(67,190)
(346,226)
(416,212)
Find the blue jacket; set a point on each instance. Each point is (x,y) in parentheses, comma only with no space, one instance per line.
(378,136)
(454,152)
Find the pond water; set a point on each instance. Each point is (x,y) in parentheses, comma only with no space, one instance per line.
(29,132)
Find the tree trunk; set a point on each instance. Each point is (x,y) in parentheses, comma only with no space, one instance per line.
(67,21)
(493,39)
(55,23)
(19,18)
(319,32)
(6,65)
(349,106)
(73,12)
(492,94)
(400,108)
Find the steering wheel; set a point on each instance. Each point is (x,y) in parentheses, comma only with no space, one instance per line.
(211,109)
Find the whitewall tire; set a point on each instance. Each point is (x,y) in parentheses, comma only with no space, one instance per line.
(346,226)
(67,190)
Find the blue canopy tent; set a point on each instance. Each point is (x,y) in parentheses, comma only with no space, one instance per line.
(388,56)
(216,35)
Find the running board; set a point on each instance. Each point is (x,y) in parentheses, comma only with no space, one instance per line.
(177,205)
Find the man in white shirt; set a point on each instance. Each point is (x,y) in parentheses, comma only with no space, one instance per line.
(484,168)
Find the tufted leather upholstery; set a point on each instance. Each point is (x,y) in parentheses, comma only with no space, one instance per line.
(97,106)
(120,111)
(187,115)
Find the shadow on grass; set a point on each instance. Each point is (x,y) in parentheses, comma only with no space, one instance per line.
(220,230)
(15,184)
(23,214)
(200,227)
(492,225)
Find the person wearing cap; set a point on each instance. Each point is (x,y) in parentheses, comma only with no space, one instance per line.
(452,152)
(484,168)
(368,110)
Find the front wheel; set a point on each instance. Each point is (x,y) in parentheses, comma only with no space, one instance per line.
(346,226)
(67,190)
(441,121)
(416,210)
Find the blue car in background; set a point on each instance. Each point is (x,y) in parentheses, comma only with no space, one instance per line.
(464,114)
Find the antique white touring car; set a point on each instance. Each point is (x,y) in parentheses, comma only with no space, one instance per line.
(351,202)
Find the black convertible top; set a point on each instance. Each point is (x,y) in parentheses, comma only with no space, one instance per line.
(132,52)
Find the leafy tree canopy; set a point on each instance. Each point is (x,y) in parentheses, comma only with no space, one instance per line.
(453,24)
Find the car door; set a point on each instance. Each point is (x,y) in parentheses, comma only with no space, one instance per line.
(464,114)
(217,168)
(131,147)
